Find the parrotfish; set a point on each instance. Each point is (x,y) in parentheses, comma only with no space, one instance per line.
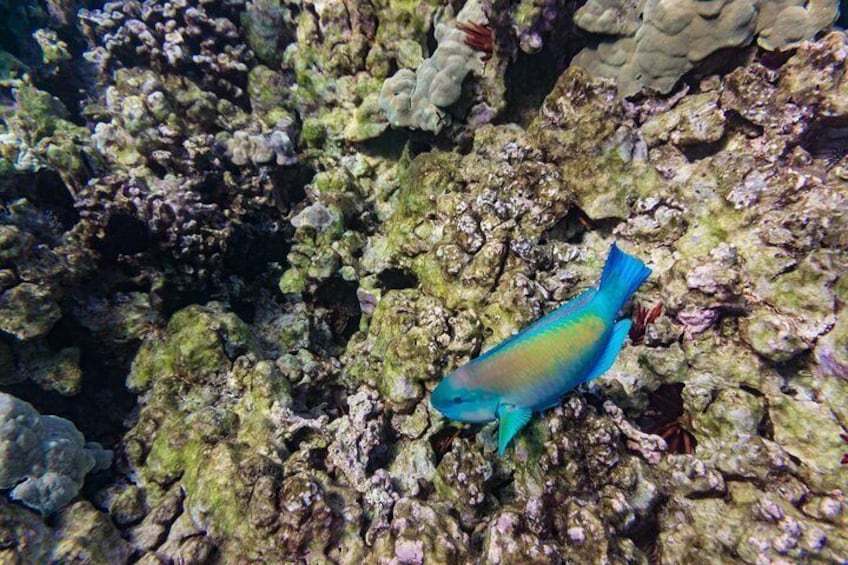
(533,369)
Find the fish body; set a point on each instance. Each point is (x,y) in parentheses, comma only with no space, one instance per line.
(532,370)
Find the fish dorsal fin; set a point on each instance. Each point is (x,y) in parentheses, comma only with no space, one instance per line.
(512,419)
(610,352)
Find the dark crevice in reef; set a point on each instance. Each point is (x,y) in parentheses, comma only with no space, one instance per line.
(827,140)
(380,455)
(339,297)
(751,390)
(736,122)
(67,79)
(788,370)
(701,151)
(720,62)
(501,266)
(289,185)
(390,144)
(47,193)
(366,222)
(442,440)
(569,229)
(101,407)
(666,416)
(51,194)
(645,534)
(124,235)
(766,428)
(397,279)
(574,225)
(529,79)
(256,243)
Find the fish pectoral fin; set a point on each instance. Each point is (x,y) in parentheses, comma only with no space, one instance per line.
(511,420)
(611,351)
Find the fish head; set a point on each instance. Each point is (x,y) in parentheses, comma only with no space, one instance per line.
(459,401)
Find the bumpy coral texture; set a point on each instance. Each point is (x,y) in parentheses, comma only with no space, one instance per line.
(45,458)
(418,99)
(652,43)
(182,148)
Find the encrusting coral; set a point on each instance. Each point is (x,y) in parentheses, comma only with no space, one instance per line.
(652,43)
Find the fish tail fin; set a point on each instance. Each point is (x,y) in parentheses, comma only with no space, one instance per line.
(622,275)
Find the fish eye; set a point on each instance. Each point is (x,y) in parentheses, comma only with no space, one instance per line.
(457,399)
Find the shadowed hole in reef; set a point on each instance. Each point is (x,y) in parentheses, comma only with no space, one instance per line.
(827,140)
(397,279)
(101,407)
(701,151)
(666,416)
(442,440)
(380,455)
(255,243)
(289,185)
(52,195)
(645,534)
(125,235)
(529,79)
(339,297)
(317,455)
(574,225)
(50,206)
(766,428)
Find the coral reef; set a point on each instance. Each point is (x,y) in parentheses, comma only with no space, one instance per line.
(80,533)
(216,224)
(653,43)
(171,139)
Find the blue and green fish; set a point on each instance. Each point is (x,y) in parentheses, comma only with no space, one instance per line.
(533,369)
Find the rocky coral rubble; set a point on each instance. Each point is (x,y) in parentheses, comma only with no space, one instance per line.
(80,533)
(170,138)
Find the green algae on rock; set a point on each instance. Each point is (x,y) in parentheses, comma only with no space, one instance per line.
(80,533)
(206,423)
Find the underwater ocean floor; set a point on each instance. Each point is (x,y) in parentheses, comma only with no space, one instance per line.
(242,241)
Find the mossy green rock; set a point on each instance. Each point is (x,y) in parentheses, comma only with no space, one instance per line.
(204,419)
(404,346)
(28,311)
(198,341)
(707,530)
(79,533)
(809,431)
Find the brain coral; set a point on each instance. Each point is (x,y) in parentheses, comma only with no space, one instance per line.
(652,43)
